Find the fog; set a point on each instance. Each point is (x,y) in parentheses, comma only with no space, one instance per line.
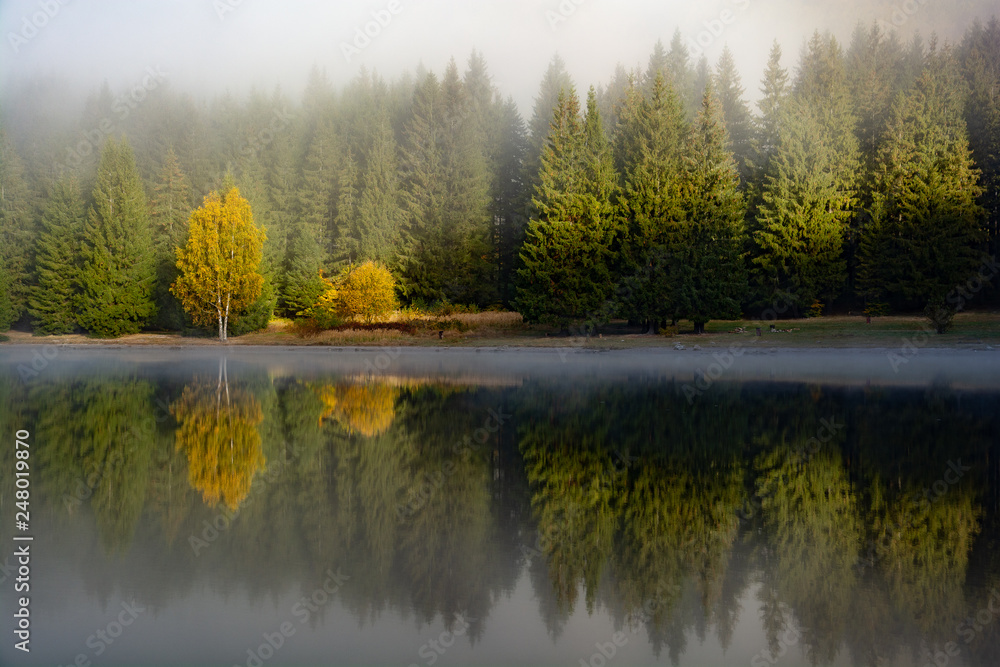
(209,46)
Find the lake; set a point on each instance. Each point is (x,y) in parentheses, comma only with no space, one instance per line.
(263,506)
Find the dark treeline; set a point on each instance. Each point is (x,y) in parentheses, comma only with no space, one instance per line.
(867,179)
(608,495)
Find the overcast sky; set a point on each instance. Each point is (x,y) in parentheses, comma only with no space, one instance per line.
(211,45)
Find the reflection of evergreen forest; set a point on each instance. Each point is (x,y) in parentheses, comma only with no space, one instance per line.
(861,522)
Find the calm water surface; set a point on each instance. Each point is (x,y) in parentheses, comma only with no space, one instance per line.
(385,507)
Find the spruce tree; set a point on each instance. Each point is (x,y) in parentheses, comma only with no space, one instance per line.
(711,281)
(924,237)
(565,274)
(169,210)
(16,232)
(345,238)
(119,270)
(808,193)
(735,111)
(803,215)
(311,232)
(56,260)
(981,47)
(651,143)
(555,81)
(380,217)
(774,90)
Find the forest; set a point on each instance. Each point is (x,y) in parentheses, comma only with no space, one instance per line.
(867,179)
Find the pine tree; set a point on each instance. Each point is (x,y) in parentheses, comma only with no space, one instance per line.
(982,114)
(802,218)
(56,260)
(555,81)
(736,113)
(808,193)
(509,193)
(311,232)
(711,281)
(345,238)
(774,92)
(16,233)
(380,217)
(565,273)
(924,237)
(169,210)
(651,143)
(119,271)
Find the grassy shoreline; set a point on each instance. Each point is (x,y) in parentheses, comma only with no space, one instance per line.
(972,329)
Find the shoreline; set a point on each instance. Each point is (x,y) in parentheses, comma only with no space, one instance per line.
(693,371)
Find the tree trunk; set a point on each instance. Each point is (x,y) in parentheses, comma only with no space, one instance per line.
(222,335)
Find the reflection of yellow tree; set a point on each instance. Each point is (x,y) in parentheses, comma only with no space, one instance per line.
(218,429)
(366,408)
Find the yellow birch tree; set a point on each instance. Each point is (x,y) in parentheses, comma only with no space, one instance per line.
(220,263)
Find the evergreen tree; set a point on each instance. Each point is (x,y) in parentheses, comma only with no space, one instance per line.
(711,281)
(982,114)
(56,260)
(809,190)
(310,234)
(651,142)
(555,81)
(735,111)
(119,270)
(802,218)
(380,219)
(345,238)
(774,91)
(926,222)
(509,193)
(565,273)
(169,211)
(16,233)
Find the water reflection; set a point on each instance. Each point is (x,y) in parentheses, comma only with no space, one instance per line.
(218,429)
(832,524)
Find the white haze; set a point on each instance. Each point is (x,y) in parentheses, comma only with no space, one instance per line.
(209,46)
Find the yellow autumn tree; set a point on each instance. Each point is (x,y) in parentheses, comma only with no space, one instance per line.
(219,431)
(220,263)
(367,291)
